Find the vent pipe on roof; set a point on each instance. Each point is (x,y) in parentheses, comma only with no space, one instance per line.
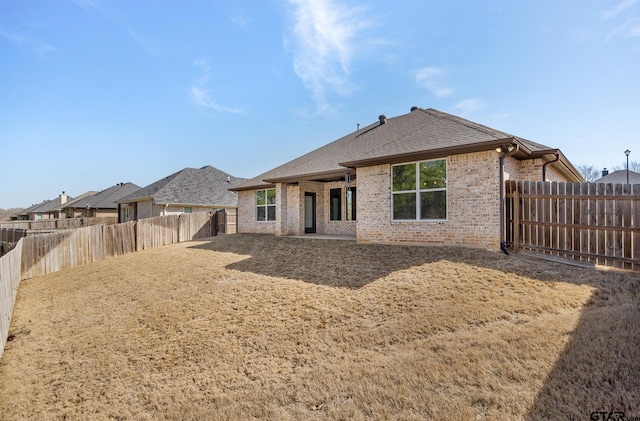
(382,118)
(605,172)
(414,108)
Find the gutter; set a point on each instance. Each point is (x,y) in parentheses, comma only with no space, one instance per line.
(503,155)
(544,166)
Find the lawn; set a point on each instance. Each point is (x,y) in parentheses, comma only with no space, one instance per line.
(249,326)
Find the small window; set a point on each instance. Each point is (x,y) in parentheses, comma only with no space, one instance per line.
(266,205)
(335,204)
(188,210)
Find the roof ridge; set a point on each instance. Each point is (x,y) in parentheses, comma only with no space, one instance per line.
(467,123)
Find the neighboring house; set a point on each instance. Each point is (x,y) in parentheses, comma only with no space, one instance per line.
(426,177)
(100,204)
(619,177)
(188,190)
(49,209)
(23,215)
(71,203)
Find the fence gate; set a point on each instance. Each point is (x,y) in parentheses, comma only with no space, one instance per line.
(590,222)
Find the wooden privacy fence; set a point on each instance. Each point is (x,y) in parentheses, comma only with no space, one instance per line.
(9,281)
(47,253)
(65,223)
(590,222)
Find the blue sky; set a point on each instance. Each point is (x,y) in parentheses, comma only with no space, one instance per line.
(97,92)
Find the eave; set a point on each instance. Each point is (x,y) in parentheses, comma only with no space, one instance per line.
(432,153)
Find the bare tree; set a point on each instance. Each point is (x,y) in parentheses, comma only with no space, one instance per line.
(589,172)
(633,166)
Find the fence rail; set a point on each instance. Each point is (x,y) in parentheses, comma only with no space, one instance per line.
(589,222)
(54,224)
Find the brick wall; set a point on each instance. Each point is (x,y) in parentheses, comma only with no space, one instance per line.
(473,213)
(247,219)
(529,169)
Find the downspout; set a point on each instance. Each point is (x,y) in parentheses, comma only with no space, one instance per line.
(503,155)
(544,166)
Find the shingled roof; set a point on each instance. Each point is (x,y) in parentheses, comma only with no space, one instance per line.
(48,206)
(420,134)
(71,203)
(207,186)
(620,177)
(105,199)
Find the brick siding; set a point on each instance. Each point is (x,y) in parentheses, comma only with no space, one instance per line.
(473,212)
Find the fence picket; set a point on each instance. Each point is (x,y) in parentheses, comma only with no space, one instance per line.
(635,224)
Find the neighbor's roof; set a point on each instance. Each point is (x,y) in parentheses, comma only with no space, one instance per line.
(32,208)
(48,205)
(206,186)
(106,199)
(620,177)
(420,134)
(71,203)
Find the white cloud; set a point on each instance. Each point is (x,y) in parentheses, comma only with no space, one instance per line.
(469,105)
(629,29)
(38,47)
(431,78)
(620,7)
(200,94)
(626,20)
(325,33)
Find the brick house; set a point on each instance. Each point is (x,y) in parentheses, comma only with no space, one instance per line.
(426,177)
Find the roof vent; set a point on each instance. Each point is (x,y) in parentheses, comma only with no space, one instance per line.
(605,172)
(414,108)
(382,118)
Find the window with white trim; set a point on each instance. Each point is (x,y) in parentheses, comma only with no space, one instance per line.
(266,205)
(419,190)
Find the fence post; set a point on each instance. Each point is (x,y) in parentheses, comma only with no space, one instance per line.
(516,220)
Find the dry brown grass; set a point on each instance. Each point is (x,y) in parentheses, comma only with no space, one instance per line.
(247,326)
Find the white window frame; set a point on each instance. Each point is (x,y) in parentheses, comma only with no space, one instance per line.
(418,191)
(266,205)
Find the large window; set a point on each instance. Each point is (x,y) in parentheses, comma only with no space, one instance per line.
(266,205)
(420,190)
(335,204)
